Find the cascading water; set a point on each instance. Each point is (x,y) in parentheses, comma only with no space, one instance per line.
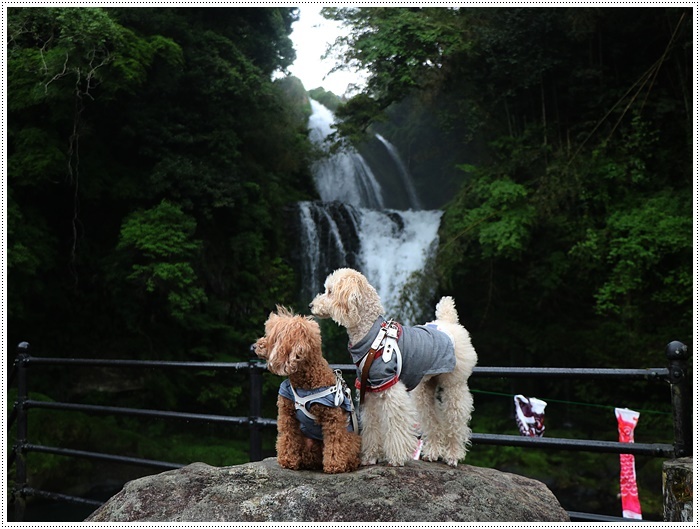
(342,176)
(403,172)
(349,227)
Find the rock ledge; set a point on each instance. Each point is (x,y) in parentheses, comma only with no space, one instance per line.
(264,492)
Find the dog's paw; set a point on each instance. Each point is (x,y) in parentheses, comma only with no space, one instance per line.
(339,469)
(429,455)
(337,463)
(289,464)
(368,461)
(452,462)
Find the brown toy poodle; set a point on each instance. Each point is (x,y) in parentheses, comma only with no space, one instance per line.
(316,427)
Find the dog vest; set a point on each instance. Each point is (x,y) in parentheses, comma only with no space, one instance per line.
(331,396)
(422,350)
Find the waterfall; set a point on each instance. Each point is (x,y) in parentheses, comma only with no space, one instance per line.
(395,246)
(350,227)
(329,240)
(343,176)
(403,172)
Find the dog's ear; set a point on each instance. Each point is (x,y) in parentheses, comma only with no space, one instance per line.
(305,338)
(312,335)
(295,356)
(277,359)
(351,296)
(291,355)
(353,308)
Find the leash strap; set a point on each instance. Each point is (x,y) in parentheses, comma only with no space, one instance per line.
(366,364)
(346,391)
(387,339)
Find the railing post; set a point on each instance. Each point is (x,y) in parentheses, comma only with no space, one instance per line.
(681,400)
(255,406)
(21,363)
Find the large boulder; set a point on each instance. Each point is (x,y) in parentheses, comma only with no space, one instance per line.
(264,492)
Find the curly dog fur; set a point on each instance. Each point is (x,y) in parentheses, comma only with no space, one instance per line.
(441,404)
(292,348)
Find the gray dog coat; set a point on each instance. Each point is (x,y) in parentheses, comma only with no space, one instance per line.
(425,350)
(304,398)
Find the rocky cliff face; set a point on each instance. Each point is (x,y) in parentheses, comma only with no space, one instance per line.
(264,492)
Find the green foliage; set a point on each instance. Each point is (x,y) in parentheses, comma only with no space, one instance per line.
(293,90)
(402,47)
(56,53)
(570,220)
(150,160)
(37,156)
(162,249)
(644,247)
(138,54)
(327,99)
(500,220)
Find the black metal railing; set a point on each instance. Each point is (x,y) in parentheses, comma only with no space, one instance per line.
(676,375)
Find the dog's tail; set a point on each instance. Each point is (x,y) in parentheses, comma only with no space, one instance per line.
(445,310)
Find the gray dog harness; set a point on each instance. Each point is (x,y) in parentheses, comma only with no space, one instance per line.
(407,354)
(331,396)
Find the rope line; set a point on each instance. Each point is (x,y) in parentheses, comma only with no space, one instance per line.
(605,406)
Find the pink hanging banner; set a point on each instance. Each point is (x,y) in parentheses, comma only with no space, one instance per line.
(626,421)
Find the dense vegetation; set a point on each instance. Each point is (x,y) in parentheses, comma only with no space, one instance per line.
(572,129)
(567,133)
(151,159)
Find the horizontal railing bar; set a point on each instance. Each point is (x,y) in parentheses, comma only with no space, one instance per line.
(590,517)
(570,372)
(654,373)
(253,365)
(29,491)
(614,447)
(342,367)
(158,414)
(70,452)
(104,362)
(89,408)
(656,449)
(487,372)
(262,421)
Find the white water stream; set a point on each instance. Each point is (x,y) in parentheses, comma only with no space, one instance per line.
(345,175)
(389,246)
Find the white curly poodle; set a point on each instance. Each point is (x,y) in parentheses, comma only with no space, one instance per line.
(417,376)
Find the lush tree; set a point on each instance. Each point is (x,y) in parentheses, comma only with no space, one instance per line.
(572,139)
(150,161)
(159,242)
